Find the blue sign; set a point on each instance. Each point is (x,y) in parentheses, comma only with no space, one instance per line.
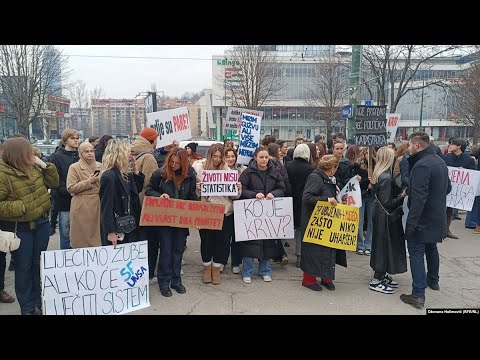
(368,102)
(347,112)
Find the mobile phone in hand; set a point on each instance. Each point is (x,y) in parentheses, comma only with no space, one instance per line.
(96,172)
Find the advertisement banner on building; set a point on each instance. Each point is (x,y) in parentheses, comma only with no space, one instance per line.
(171,125)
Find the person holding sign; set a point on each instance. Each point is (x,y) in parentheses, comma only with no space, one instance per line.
(176,179)
(212,246)
(230,158)
(318,260)
(388,240)
(261,180)
(24,209)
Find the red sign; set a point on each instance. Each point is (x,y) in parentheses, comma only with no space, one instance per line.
(2,107)
(59,114)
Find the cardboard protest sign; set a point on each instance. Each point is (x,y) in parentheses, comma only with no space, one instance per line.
(173,124)
(333,226)
(233,120)
(370,126)
(95,280)
(263,219)
(249,138)
(351,193)
(181,213)
(465,185)
(392,125)
(219,183)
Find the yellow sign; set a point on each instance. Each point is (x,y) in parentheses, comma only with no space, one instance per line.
(333,226)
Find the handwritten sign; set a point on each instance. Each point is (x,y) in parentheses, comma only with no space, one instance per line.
(351,193)
(96,280)
(181,213)
(392,125)
(263,219)
(333,226)
(249,138)
(173,124)
(370,125)
(219,183)
(233,120)
(465,185)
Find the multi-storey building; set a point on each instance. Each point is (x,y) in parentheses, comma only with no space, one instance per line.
(289,115)
(53,120)
(81,120)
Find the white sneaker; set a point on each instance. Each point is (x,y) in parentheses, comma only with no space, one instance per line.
(181,271)
(236,270)
(267,278)
(221,268)
(247,279)
(153,281)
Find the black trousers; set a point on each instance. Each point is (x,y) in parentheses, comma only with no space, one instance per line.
(3,266)
(213,244)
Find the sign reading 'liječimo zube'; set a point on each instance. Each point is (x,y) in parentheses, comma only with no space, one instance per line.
(371,125)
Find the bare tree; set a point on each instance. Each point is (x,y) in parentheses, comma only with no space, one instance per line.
(328,92)
(396,67)
(79,97)
(29,74)
(465,105)
(253,76)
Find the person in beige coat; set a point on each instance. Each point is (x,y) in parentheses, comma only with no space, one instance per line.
(213,242)
(83,184)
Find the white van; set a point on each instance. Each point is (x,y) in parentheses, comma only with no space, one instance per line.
(202,146)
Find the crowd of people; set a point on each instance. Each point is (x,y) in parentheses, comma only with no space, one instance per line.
(105,179)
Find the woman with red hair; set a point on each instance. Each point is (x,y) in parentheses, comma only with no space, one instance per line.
(176,180)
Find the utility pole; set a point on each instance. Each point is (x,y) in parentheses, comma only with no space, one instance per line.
(421,107)
(354,93)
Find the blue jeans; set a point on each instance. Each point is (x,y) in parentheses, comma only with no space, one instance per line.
(248,266)
(27,266)
(172,245)
(64,226)
(473,217)
(298,240)
(365,243)
(417,266)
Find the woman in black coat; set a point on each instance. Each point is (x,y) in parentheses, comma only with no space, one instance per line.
(388,241)
(176,179)
(261,180)
(318,260)
(119,192)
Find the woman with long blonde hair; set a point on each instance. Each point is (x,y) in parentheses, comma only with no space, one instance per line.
(388,241)
(120,182)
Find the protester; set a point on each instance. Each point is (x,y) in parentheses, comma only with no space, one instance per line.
(161,153)
(192,152)
(94,140)
(261,180)
(84,185)
(66,155)
(388,242)
(212,242)
(298,171)
(282,152)
(175,180)
(426,223)
(318,260)
(230,158)
(120,182)
(24,209)
(101,146)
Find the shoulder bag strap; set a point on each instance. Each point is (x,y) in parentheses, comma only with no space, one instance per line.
(382,205)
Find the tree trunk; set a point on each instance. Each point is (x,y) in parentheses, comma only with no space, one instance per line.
(23,129)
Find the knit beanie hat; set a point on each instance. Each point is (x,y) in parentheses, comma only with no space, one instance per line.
(149,133)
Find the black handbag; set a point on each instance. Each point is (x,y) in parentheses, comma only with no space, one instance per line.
(125,224)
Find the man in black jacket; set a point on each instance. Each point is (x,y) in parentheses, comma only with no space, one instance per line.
(426,222)
(62,159)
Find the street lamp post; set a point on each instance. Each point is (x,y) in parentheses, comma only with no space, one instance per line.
(421,106)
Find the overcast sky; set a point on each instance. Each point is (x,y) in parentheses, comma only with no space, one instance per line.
(126,77)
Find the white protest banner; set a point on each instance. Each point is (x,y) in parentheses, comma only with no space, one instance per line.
(233,121)
(219,183)
(249,138)
(173,124)
(263,219)
(351,193)
(465,184)
(392,125)
(96,280)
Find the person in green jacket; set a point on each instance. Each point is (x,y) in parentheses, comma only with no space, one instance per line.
(24,209)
